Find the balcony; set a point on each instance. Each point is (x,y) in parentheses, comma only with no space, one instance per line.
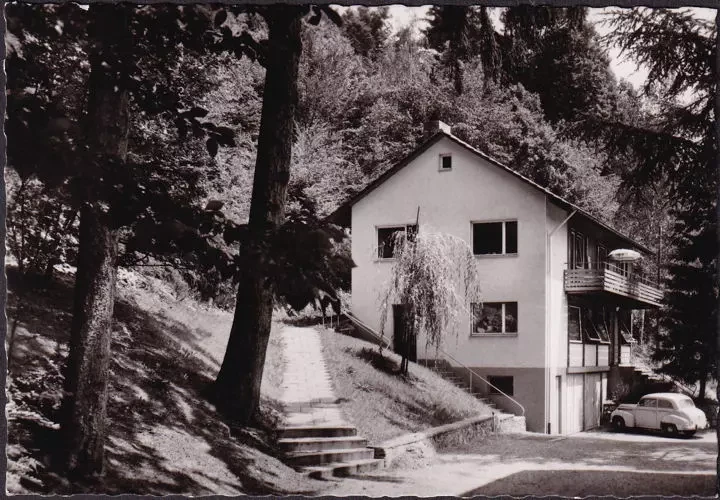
(614,279)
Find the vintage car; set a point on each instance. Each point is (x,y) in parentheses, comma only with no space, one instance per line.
(672,413)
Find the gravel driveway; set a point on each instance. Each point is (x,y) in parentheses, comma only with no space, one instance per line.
(589,463)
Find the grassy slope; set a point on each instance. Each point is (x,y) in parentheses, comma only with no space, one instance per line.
(164,437)
(384,405)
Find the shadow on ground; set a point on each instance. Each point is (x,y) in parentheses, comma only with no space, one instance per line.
(579,483)
(164,435)
(632,464)
(586,450)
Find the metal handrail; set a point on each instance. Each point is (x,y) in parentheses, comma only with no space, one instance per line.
(472,372)
(372,332)
(381,338)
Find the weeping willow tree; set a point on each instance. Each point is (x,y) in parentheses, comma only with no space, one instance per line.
(435,279)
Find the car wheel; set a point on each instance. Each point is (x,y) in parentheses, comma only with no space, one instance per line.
(689,433)
(671,429)
(618,423)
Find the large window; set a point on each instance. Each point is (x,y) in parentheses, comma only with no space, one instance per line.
(589,324)
(495,317)
(492,238)
(505,384)
(386,239)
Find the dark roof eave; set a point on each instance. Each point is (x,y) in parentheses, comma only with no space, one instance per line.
(343,212)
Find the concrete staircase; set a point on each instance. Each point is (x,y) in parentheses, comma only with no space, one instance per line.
(327,451)
(444,370)
(349,325)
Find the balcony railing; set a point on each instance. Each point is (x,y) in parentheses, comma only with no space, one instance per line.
(616,279)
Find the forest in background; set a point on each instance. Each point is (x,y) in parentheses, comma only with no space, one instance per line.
(536,93)
(365,95)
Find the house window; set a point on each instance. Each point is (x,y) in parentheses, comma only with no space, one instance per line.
(601,321)
(578,250)
(386,239)
(495,317)
(589,325)
(574,324)
(491,238)
(601,256)
(505,384)
(445,162)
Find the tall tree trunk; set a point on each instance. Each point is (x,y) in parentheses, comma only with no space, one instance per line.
(717,229)
(86,373)
(237,387)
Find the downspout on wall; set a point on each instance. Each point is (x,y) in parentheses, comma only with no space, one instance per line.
(548,315)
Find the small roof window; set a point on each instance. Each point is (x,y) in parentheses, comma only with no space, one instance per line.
(445,162)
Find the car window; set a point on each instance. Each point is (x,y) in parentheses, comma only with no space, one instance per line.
(685,403)
(649,402)
(664,403)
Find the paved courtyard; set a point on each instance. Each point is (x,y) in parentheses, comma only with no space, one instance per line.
(589,463)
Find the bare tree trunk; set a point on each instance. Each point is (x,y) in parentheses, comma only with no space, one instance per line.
(237,387)
(717,228)
(86,373)
(84,406)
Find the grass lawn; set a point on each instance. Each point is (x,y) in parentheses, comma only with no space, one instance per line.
(382,404)
(164,437)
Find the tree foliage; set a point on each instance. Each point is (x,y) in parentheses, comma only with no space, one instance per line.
(460,33)
(677,147)
(555,53)
(367,29)
(435,277)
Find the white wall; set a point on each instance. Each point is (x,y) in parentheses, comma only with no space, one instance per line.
(473,190)
(557,311)
(558,299)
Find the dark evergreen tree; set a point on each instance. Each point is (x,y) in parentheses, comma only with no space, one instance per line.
(555,53)
(460,33)
(686,346)
(367,29)
(679,148)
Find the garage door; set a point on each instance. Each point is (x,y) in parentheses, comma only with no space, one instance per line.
(592,400)
(574,421)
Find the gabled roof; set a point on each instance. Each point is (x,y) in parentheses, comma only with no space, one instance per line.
(343,212)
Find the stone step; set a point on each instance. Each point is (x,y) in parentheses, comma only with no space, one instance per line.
(321,443)
(305,458)
(344,469)
(316,431)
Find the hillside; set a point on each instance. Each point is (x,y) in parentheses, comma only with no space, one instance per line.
(164,437)
(383,405)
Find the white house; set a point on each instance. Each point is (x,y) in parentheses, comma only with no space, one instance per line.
(553,325)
